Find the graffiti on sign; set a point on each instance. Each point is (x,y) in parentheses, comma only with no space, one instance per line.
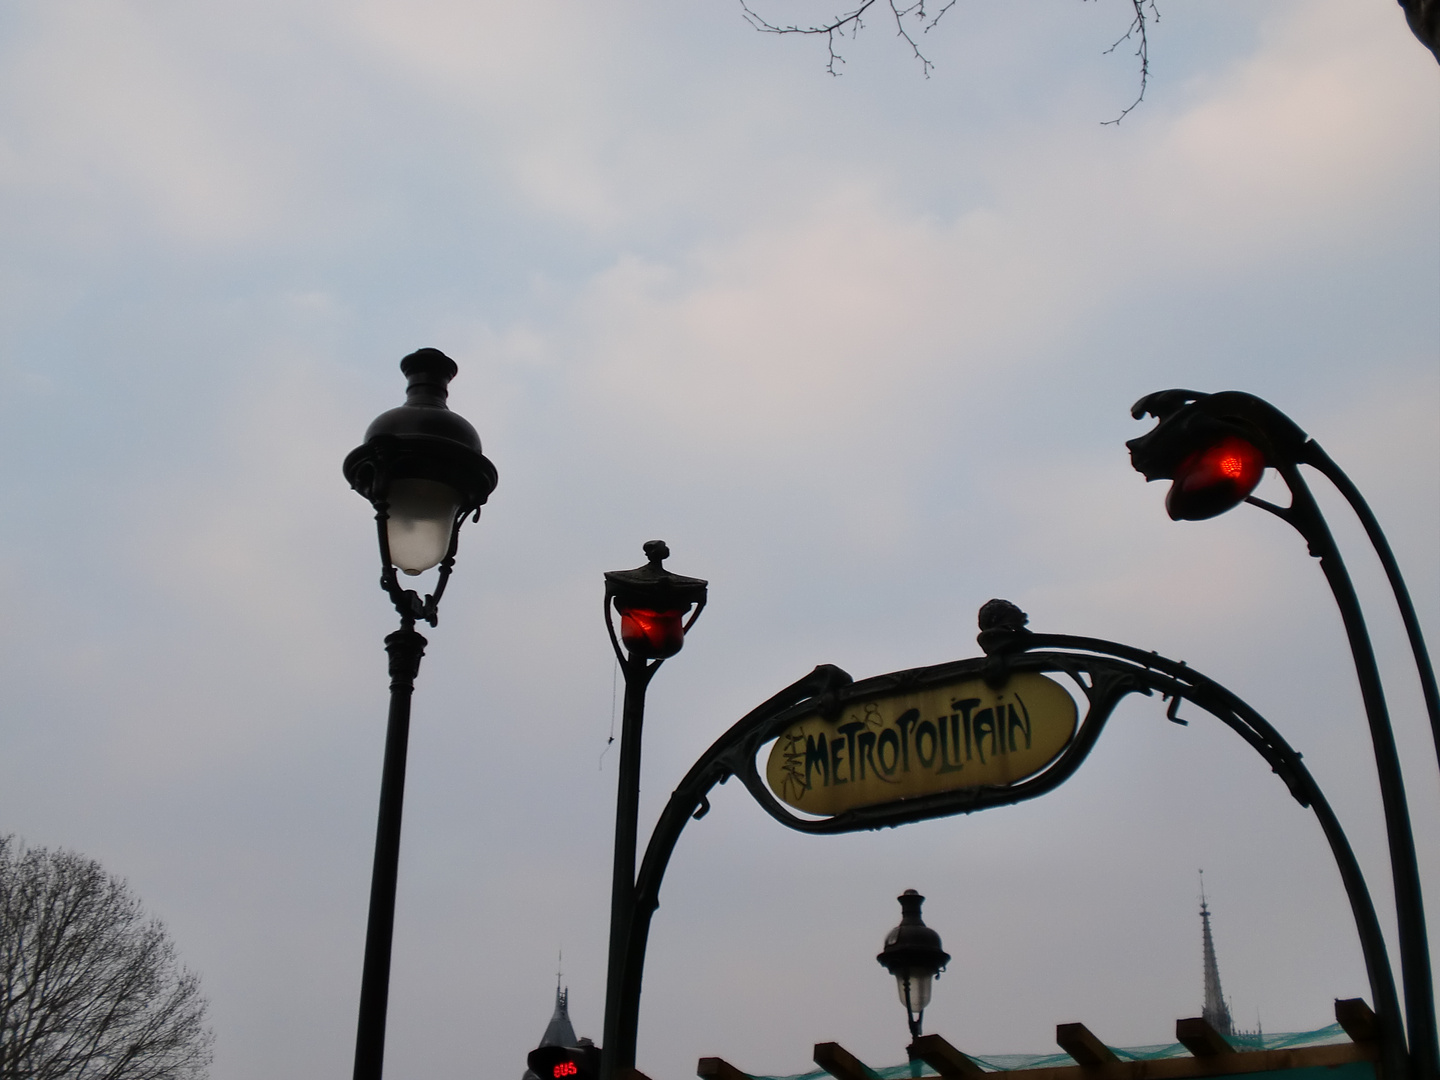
(959,735)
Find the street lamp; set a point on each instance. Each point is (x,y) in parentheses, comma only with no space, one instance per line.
(652,604)
(1215,449)
(421,468)
(913,955)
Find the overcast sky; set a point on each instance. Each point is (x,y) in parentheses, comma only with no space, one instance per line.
(861,349)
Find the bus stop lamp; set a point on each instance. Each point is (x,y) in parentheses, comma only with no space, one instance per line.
(656,609)
(422,470)
(913,955)
(1214,449)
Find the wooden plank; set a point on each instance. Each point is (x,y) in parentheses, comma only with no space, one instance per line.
(1200,1038)
(720,1069)
(950,1063)
(1190,1068)
(840,1063)
(1174,1068)
(844,1066)
(1359,1022)
(1081,1044)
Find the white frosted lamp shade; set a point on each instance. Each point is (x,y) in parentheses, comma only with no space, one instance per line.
(919,984)
(422,517)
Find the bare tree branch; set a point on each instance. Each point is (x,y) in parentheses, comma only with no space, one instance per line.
(853,22)
(1137,30)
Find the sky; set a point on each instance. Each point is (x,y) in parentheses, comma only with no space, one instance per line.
(860,348)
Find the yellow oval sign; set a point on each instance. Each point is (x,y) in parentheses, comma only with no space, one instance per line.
(959,735)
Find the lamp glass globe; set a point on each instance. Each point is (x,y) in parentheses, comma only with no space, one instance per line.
(920,984)
(422,517)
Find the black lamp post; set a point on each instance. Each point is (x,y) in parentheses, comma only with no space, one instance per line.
(913,955)
(421,468)
(652,604)
(1215,449)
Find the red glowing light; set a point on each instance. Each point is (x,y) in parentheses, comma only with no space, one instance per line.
(1211,481)
(652,635)
(566,1068)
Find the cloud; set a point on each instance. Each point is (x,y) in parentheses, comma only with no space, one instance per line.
(1308,130)
(108,113)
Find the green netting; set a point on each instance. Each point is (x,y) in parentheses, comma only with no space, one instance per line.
(1008,1062)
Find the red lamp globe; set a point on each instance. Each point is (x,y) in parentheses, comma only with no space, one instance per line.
(652,635)
(1214,479)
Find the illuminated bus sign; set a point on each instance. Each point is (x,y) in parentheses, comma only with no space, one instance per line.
(565,1062)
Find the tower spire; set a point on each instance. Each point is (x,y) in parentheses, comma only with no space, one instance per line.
(1216,1012)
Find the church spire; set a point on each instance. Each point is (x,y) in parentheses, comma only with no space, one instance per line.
(560,1032)
(1216,1012)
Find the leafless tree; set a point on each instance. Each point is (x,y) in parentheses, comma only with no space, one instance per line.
(89,987)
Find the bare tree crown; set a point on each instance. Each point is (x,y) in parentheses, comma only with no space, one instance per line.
(90,988)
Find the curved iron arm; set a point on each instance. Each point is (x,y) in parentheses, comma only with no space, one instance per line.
(1176,680)
(1115,671)
(688,800)
(1303,514)
(1325,465)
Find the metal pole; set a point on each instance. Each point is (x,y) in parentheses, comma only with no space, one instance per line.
(405,647)
(617,1051)
(914,1019)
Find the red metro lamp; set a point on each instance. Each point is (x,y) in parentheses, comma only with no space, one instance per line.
(656,609)
(652,604)
(1210,448)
